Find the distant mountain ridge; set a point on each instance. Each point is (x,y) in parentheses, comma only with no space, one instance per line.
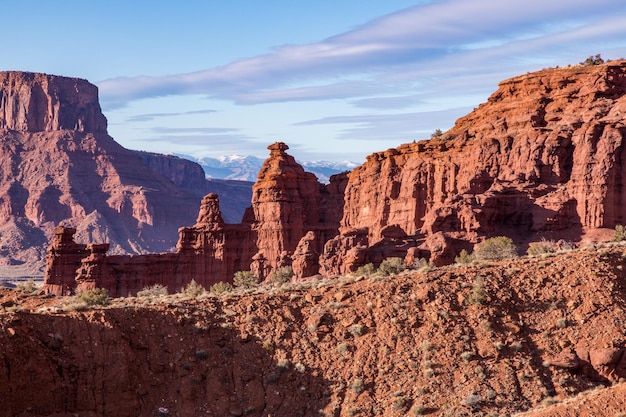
(246,168)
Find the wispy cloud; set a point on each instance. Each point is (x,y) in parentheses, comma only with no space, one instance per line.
(152,116)
(432,40)
(225,139)
(396,102)
(399,127)
(189,130)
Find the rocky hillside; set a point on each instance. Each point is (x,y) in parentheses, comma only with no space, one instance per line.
(59,166)
(484,339)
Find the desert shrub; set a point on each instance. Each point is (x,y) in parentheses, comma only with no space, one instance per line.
(401,404)
(283,365)
(96,296)
(245,280)
(365,270)
(620,233)
(478,294)
(28,286)
(495,249)
(437,133)
(472,400)
(357,386)
(155,290)
(281,275)
(220,288)
(464,257)
(391,266)
(593,60)
(422,265)
(356,329)
(193,289)
(539,248)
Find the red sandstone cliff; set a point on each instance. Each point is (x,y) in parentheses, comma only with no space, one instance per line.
(58,165)
(542,157)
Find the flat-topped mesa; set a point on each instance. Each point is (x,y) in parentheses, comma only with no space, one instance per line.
(34,102)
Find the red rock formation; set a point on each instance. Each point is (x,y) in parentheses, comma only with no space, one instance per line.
(32,102)
(286,205)
(543,156)
(285,225)
(58,166)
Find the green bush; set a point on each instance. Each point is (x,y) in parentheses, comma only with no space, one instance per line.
(478,294)
(28,286)
(193,289)
(495,249)
(464,257)
(281,275)
(593,60)
(620,233)
(422,265)
(391,266)
(96,296)
(220,288)
(245,280)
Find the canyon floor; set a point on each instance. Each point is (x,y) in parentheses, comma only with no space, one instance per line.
(485,339)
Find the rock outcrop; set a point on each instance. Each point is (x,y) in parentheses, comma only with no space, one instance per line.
(416,343)
(59,166)
(291,217)
(543,157)
(32,102)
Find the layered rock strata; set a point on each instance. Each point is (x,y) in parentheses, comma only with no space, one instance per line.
(59,166)
(291,217)
(542,157)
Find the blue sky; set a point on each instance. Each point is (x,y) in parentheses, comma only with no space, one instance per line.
(335,80)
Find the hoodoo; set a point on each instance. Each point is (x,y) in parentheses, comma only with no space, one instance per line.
(289,205)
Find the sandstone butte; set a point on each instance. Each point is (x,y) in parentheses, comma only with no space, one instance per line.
(541,159)
(59,166)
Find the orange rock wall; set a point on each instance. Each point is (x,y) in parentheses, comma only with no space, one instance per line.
(542,156)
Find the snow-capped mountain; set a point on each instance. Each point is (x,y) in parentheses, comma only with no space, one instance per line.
(246,168)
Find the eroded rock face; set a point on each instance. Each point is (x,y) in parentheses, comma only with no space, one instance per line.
(543,157)
(288,203)
(282,352)
(59,166)
(284,226)
(31,102)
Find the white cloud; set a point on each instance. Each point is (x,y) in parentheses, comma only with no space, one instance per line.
(424,36)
